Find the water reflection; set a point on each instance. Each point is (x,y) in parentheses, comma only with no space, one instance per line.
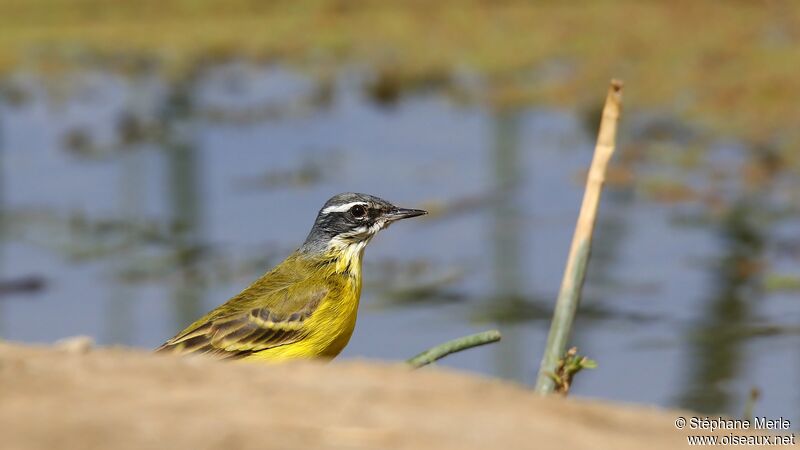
(716,342)
(506,241)
(119,311)
(162,226)
(3,218)
(184,202)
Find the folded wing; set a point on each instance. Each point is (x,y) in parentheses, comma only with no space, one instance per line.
(231,336)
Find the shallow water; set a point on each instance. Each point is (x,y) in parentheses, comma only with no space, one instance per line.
(135,205)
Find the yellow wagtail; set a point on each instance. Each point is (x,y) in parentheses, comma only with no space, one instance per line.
(306,306)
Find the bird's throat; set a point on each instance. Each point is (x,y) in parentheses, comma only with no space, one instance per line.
(347,256)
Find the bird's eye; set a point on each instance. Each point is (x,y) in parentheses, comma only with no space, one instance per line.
(358,211)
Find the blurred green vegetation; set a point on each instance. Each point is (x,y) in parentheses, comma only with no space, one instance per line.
(731,64)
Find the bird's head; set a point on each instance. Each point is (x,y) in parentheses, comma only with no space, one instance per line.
(351,220)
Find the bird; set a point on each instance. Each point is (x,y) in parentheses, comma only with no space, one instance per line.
(306,306)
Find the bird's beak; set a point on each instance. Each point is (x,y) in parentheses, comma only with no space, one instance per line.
(403,213)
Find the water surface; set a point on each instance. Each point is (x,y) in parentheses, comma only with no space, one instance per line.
(134,204)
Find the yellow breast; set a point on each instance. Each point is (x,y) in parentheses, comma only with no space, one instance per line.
(329,328)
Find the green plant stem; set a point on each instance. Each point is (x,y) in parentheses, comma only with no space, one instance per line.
(569,295)
(456,345)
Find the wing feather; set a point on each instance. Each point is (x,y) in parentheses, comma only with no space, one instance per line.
(237,335)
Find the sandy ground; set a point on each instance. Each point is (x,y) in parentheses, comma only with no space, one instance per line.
(72,398)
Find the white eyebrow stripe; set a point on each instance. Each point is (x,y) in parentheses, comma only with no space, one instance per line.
(342,208)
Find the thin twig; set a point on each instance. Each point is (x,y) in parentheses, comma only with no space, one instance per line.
(750,404)
(456,345)
(572,283)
